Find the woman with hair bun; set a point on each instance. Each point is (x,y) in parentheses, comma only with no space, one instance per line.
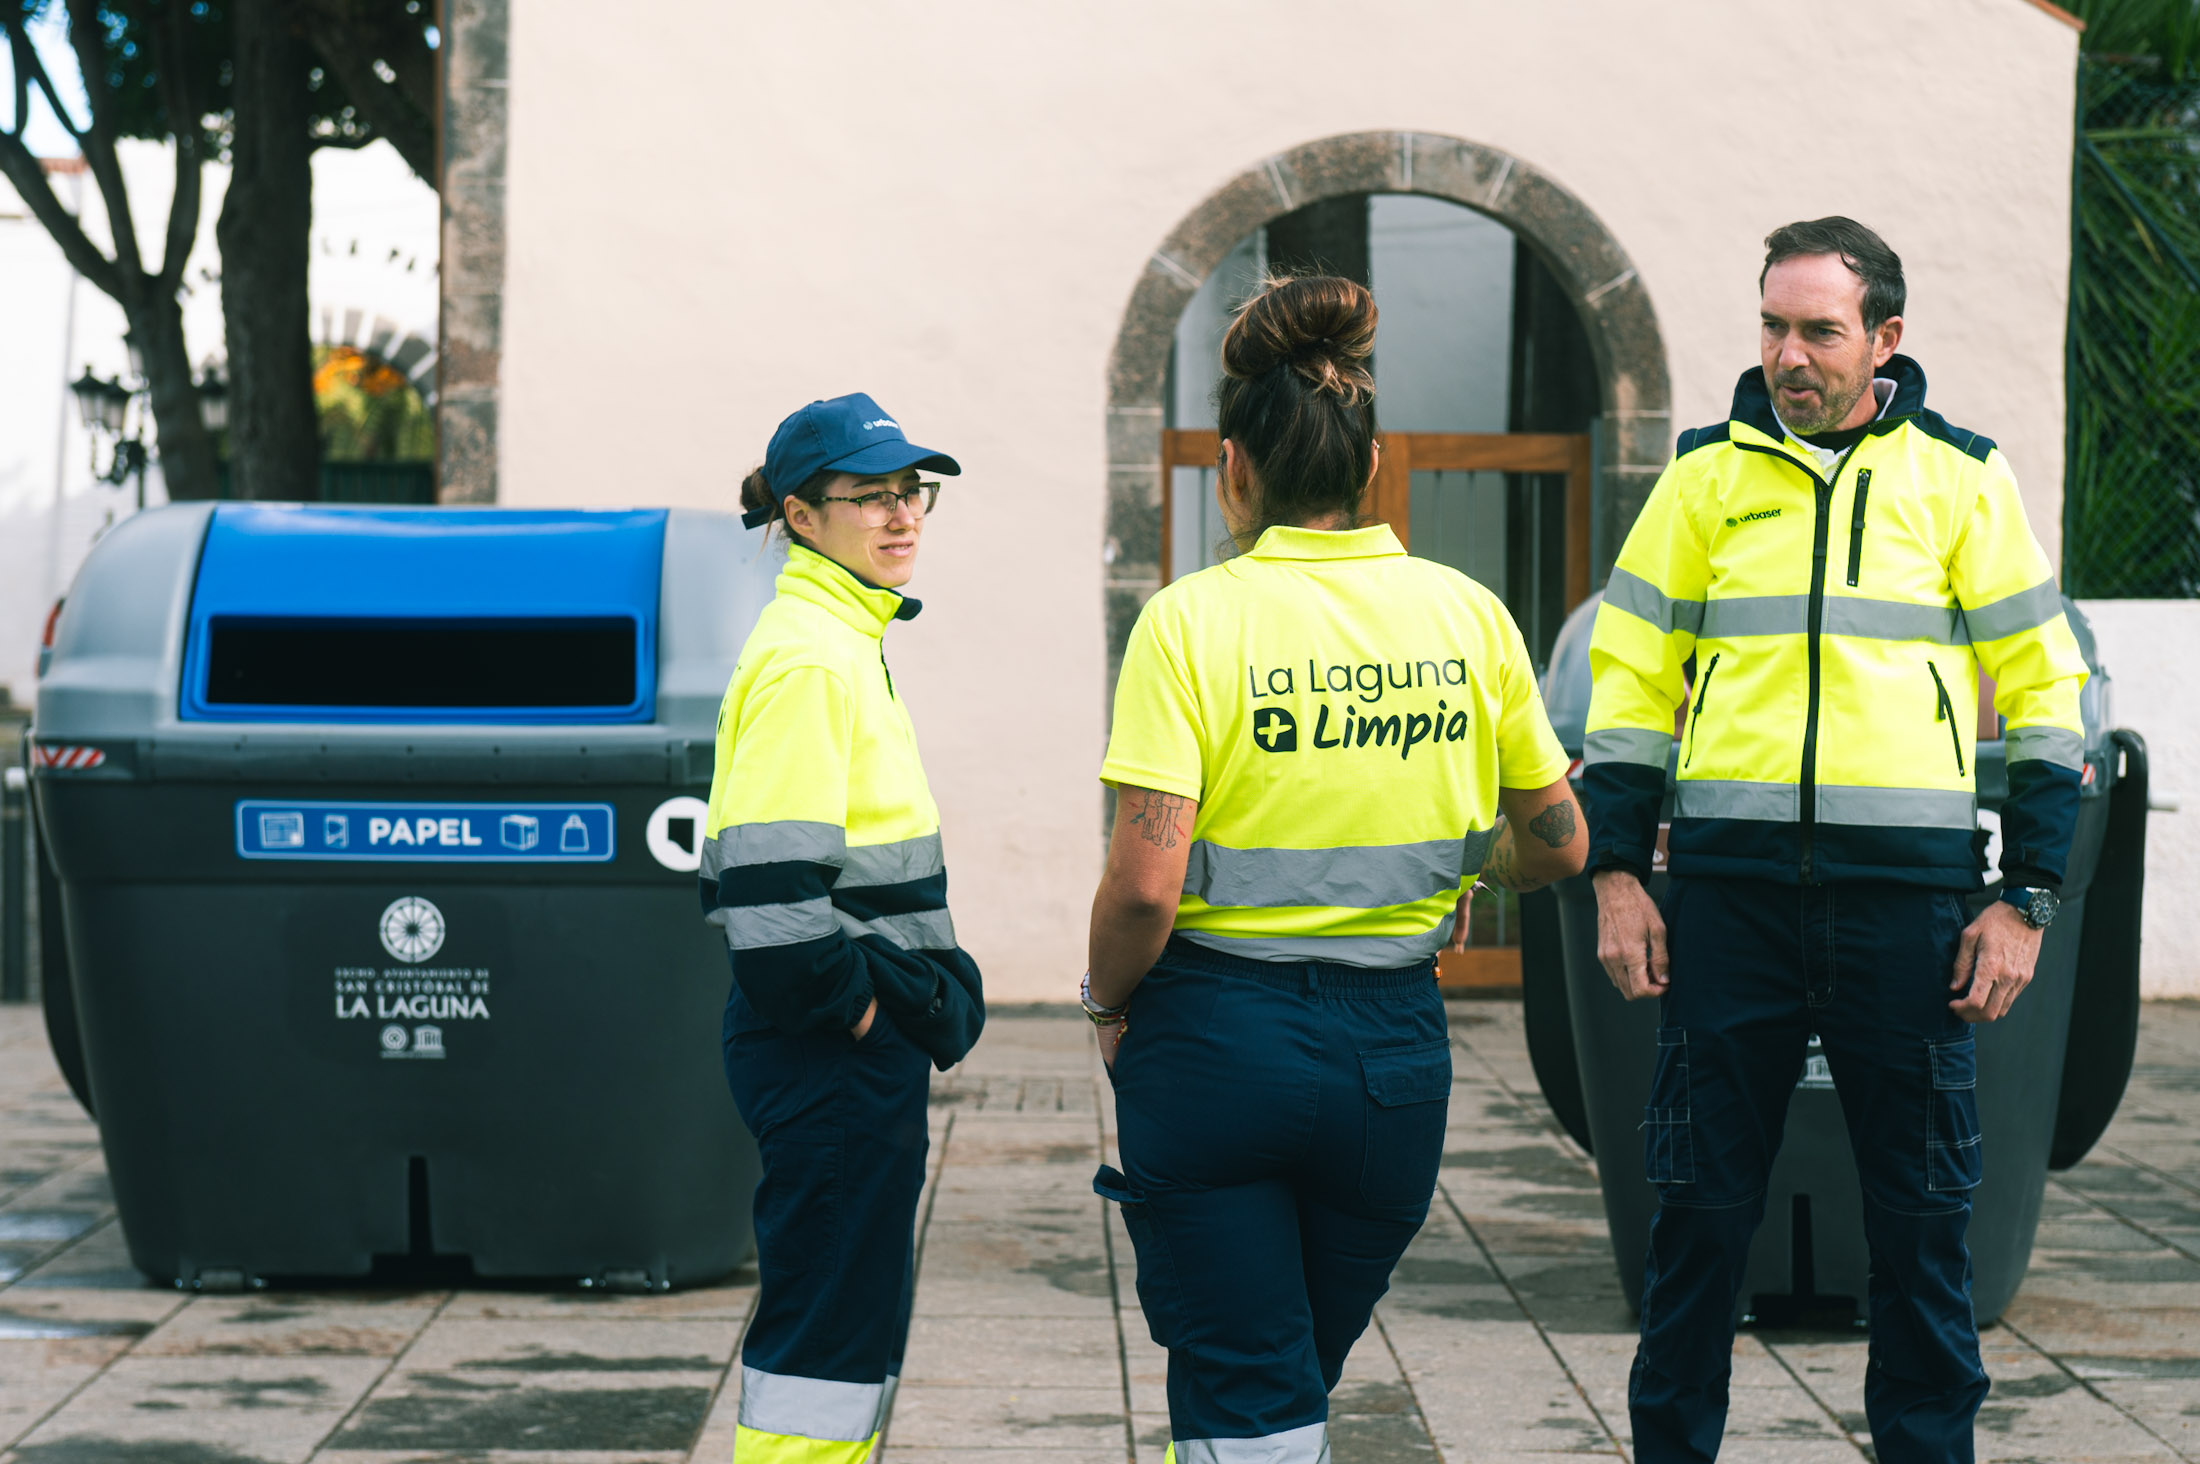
(1318,745)
(825,872)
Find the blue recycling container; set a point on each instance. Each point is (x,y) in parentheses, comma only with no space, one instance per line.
(375,833)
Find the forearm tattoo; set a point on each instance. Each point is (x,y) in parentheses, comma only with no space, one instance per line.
(1502,867)
(1154,816)
(1554,825)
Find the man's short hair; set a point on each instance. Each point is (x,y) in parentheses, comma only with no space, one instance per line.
(1865,253)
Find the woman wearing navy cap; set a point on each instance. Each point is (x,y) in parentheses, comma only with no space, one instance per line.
(825,872)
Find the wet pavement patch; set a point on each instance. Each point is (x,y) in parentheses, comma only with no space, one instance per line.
(50,1226)
(1379,1439)
(1078,1275)
(95,1449)
(1543,1164)
(2045,1385)
(584,1362)
(255,1392)
(15,1327)
(538,1418)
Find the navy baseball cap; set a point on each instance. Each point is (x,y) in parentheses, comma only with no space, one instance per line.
(849,434)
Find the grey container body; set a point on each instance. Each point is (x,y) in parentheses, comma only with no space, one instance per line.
(1600,1086)
(580,1129)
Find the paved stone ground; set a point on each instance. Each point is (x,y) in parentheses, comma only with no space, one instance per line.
(1505,1337)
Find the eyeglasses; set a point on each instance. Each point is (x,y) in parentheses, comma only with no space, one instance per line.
(878,508)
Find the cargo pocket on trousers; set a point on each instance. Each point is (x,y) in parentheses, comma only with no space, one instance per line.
(1408,1093)
(1159,1295)
(1953,1155)
(1668,1157)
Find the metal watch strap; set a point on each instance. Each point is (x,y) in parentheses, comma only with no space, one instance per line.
(1099,1015)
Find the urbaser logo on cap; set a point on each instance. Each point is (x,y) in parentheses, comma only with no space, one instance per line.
(882,422)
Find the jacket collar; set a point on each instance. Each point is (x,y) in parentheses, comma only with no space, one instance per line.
(1285,542)
(1753,402)
(842,593)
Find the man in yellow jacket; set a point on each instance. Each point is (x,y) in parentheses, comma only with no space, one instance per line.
(1820,579)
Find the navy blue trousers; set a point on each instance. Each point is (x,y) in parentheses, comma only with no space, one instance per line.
(841,1126)
(1281,1128)
(1757,969)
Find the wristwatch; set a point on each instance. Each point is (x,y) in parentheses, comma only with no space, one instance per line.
(2038,907)
(1101,1016)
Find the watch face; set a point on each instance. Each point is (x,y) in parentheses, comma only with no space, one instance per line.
(2040,910)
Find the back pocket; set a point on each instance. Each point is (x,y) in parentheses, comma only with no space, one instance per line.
(1954,1159)
(1408,1093)
(1668,1156)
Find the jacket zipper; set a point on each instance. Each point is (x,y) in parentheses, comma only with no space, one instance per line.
(1856,525)
(1703,690)
(1945,711)
(1807,784)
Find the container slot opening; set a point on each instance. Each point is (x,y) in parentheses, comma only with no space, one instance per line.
(428,664)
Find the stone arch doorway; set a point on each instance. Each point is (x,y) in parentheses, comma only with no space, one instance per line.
(1635,425)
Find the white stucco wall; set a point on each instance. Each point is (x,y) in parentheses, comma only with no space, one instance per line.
(2149,649)
(947,206)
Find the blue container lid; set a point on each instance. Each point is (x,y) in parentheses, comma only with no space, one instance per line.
(516,590)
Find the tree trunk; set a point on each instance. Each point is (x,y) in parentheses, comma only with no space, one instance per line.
(186,448)
(264,232)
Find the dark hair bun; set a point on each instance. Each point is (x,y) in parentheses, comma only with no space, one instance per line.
(1321,326)
(756,493)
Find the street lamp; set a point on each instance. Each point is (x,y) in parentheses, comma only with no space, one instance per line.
(102,404)
(213,399)
(105,409)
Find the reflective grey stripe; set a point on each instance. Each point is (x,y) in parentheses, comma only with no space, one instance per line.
(898,863)
(1644,600)
(2046,744)
(752,927)
(1898,808)
(1745,615)
(2025,610)
(1755,615)
(1376,952)
(1716,798)
(774,843)
(1895,620)
(1627,745)
(810,1408)
(1363,877)
(1308,1445)
(924,930)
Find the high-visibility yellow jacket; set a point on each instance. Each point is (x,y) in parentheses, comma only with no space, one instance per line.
(824,867)
(1837,629)
(1346,716)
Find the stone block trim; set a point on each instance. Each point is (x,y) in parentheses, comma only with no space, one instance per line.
(1599,276)
(476,80)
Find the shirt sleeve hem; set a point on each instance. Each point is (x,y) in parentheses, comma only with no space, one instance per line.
(1122,775)
(1546,775)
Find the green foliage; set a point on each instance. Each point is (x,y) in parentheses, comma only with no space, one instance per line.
(368,411)
(2131,488)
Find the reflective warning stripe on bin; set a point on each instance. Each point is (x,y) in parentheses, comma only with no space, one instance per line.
(426,833)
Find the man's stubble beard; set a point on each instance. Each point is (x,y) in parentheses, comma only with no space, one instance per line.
(1834,409)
